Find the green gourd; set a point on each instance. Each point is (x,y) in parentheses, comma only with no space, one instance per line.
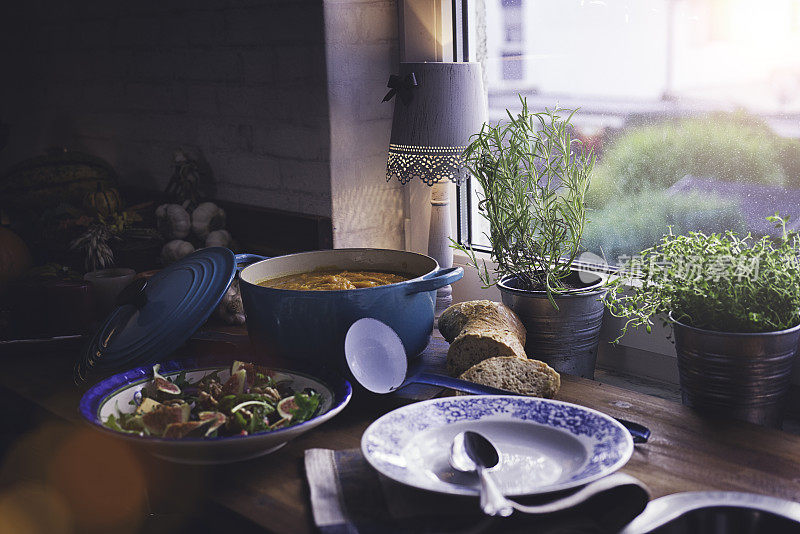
(104,201)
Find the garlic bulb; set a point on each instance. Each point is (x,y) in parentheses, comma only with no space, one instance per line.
(206,218)
(175,250)
(230,308)
(173,221)
(218,238)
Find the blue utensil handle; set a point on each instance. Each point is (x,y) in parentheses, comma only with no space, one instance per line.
(639,433)
(243,260)
(436,280)
(457,384)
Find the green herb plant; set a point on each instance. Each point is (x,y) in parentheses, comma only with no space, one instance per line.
(721,282)
(533,179)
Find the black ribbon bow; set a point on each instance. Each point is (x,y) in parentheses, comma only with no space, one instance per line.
(403,87)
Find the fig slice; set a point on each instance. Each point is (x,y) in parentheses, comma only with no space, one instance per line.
(286,407)
(160,387)
(216,419)
(251,369)
(235,384)
(157,420)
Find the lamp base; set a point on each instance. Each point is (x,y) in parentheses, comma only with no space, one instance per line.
(444,298)
(439,240)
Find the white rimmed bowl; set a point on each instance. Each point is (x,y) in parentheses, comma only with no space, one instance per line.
(116,393)
(544,445)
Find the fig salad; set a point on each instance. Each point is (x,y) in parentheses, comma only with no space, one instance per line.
(250,401)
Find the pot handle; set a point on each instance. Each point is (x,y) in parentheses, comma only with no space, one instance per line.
(243,260)
(435,280)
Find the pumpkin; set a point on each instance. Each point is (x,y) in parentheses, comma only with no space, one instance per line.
(104,201)
(15,258)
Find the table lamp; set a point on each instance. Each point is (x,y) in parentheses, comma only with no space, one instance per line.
(438,106)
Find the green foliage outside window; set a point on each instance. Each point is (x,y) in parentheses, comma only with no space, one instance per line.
(727,147)
(632,223)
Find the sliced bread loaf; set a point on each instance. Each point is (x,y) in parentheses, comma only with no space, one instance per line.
(526,377)
(478,330)
(479,314)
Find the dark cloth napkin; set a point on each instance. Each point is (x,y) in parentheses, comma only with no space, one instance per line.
(348,496)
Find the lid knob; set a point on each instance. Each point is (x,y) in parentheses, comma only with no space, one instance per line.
(133,293)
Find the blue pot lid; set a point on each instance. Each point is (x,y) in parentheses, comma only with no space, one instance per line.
(155,316)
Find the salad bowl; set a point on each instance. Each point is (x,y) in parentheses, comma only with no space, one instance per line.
(120,394)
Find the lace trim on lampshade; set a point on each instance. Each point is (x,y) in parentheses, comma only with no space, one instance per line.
(431,164)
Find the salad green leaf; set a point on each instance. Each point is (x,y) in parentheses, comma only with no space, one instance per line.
(307,405)
(118,424)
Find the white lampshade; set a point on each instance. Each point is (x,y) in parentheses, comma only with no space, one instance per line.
(434,120)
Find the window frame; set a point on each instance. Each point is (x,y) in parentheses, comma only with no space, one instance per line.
(641,354)
(441,30)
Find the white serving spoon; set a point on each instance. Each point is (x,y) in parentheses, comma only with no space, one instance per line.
(378,361)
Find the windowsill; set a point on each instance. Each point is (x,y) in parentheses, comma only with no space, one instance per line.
(649,356)
(668,391)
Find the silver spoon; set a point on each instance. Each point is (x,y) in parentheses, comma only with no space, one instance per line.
(471,451)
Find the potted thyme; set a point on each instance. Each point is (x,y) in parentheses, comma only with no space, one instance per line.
(734,305)
(533,179)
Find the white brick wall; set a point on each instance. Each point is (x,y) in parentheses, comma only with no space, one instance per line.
(242,84)
(361,53)
(281,97)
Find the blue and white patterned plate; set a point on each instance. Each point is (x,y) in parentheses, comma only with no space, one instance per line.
(544,445)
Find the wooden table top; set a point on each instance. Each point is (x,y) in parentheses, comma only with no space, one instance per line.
(685,453)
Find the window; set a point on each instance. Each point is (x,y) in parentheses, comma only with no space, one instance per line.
(513,31)
(691,106)
(512,66)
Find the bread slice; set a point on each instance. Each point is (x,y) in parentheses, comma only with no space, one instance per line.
(474,346)
(480,329)
(526,377)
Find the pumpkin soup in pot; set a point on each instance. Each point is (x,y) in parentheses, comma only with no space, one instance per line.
(307,328)
(333,280)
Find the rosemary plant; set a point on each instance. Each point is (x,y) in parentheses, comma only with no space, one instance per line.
(719,282)
(533,179)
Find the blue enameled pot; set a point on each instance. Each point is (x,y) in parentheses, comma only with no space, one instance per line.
(290,327)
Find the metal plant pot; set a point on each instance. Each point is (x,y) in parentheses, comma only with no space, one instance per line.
(736,375)
(565,338)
